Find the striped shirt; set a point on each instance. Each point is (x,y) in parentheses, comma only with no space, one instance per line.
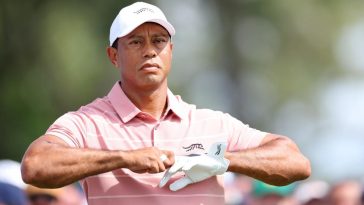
(115,123)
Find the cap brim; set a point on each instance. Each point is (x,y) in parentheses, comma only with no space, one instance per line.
(164,24)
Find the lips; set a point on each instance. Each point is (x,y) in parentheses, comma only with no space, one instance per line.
(150,66)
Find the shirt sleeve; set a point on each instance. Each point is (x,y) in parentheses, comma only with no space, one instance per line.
(70,128)
(241,136)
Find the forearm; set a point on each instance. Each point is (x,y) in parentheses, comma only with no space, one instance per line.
(53,165)
(277,162)
(49,162)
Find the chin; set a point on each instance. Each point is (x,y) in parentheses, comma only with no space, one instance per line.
(152,83)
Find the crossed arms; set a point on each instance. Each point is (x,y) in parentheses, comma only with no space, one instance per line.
(50,163)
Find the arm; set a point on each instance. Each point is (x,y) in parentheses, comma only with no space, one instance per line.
(277,161)
(50,162)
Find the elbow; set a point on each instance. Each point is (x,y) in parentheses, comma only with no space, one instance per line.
(306,169)
(31,170)
(27,173)
(32,173)
(301,165)
(301,173)
(33,176)
(278,180)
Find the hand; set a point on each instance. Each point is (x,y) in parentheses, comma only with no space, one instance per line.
(148,160)
(197,168)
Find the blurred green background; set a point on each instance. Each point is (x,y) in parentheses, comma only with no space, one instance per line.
(289,67)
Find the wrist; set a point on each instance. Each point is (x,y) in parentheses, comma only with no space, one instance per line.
(124,159)
(230,157)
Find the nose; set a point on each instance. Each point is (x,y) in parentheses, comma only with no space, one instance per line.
(149,50)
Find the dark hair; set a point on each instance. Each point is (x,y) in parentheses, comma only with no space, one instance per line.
(115,44)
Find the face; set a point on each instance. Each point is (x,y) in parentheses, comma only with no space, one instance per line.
(143,57)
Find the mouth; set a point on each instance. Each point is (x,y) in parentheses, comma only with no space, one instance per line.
(150,67)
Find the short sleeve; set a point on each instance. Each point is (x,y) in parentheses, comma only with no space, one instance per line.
(241,136)
(70,128)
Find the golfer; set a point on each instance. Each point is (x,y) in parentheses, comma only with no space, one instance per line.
(141,144)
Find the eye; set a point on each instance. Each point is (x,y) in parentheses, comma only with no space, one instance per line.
(159,40)
(135,42)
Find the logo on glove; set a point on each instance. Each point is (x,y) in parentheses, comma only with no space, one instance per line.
(194,146)
(218,149)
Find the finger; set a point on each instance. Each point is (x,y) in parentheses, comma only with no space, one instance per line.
(153,170)
(141,171)
(155,165)
(179,184)
(165,179)
(163,157)
(161,167)
(169,161)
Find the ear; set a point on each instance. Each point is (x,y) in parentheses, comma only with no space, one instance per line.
(171,47)
(112,54)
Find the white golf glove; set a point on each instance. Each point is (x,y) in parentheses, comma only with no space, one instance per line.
(197,168)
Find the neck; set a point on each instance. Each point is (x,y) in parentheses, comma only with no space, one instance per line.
(151,101)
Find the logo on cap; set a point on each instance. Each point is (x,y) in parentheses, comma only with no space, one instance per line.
(143,9)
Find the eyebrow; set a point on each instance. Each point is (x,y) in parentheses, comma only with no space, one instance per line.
(153,35)
(133,36)
(161,34)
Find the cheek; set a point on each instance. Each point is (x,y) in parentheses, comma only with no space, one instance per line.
(127,62)
(167,52)
(164,52)
(167,56)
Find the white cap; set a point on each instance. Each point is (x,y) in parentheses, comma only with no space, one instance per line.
(133,16)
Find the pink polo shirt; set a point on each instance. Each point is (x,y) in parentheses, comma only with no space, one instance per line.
(115,123)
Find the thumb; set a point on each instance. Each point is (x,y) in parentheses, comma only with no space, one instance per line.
(179,184)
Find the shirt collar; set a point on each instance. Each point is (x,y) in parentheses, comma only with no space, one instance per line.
(121,103)
(127,110)
(175,104)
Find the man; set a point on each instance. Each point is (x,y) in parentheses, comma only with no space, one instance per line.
(120,145)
